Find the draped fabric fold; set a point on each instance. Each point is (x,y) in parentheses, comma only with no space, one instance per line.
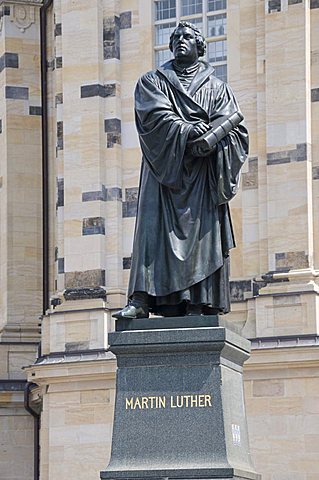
(183,230)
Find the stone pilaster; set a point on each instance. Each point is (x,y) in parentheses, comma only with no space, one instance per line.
(20,227)
(20,171)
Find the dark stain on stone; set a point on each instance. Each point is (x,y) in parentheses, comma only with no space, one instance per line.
(93,226)
(111,37)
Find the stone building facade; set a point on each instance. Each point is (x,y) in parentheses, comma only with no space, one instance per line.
(69,168)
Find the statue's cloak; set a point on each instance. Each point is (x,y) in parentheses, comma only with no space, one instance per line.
(183,230)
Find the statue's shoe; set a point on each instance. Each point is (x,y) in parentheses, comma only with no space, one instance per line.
(132,311)
(193,310)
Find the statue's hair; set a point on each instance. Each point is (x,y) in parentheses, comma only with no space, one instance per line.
(200,40)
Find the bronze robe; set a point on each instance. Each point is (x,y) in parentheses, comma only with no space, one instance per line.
(183,230)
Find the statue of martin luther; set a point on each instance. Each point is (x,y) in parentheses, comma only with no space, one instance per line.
(183,232)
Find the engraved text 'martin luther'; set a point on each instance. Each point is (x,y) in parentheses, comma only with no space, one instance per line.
(173,401)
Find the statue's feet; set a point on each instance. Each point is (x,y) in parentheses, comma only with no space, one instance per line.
(132,311)
(193,310)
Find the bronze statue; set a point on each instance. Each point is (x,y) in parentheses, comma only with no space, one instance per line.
(183,232)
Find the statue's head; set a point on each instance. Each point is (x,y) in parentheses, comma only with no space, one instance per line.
(200,40)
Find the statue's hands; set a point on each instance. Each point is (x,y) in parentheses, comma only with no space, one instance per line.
(201,150)
(198,130)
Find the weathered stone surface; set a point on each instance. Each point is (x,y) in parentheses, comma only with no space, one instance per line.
(60,192)
(113,193)
(12,385)
(84,293)
(315,91)
(76,346)
(98,90)
(111,37)
(131,194)
(289,260)
(5,10)
(286,156)
(126,20)
(105,194)
(58,99)
(112,139)
(16,93)
(127,263)
(112,125)
(58,62)
(274,388)
(9,60)
(61,265)
(59,130)
(129,209)
(250,178)
(58,29)
(89,278)
(238,289)
(274,6)
(35,110)
(93,196)
(93,226)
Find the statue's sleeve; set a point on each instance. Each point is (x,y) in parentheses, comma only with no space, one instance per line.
(162,133)
(231,152)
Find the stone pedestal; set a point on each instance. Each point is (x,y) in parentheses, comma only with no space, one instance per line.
(179,409)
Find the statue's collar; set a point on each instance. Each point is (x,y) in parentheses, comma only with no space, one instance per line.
(185,70)
(204,71)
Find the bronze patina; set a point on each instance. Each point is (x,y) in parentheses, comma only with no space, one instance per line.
(183,232)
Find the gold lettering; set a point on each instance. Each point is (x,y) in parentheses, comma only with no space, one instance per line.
(179,401)
(176,401)
(144,402)
(172,402)
(129,403)
(194,401)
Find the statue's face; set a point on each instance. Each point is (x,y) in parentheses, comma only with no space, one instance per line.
(184,45)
